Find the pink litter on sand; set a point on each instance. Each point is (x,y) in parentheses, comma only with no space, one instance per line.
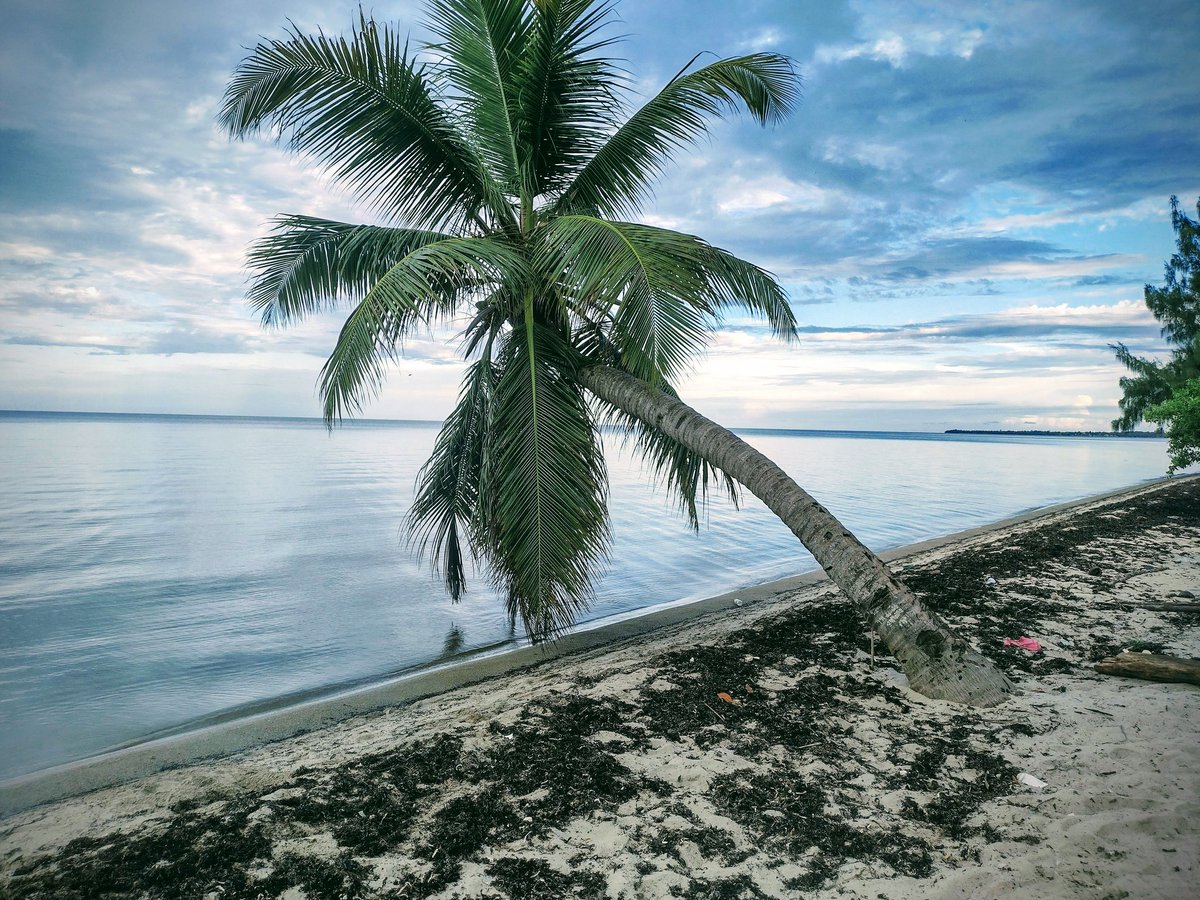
(1025,643)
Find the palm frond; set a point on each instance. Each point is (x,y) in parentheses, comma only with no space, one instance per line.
(567,100)
(482,42)
(734,282)
(545,484)
(445,511)
(619,176)
(649,282)
(364,109)
(686,476)
(492,315)
(425,286)
(306,265)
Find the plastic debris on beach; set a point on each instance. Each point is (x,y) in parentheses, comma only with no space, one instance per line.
(1025,643)
(1031,781)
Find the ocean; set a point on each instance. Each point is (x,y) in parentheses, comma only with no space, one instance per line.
(160,572)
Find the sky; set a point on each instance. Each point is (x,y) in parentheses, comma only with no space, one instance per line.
(964,208)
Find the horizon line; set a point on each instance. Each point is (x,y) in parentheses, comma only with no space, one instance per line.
(370,421)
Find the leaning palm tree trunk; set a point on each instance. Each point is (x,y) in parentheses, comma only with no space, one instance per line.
(938,662)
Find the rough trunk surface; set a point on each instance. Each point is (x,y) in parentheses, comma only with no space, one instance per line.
(938,662)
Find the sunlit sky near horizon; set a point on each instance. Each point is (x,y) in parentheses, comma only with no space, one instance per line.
(964,209)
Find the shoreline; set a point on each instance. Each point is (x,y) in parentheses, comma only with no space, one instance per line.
(767,751)
(277,719)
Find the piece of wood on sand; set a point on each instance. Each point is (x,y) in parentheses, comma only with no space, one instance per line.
(1151,667)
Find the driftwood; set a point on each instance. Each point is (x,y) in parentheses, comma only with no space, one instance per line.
(1150,570)
(1152,667)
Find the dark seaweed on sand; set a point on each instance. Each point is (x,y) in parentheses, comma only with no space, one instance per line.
(957,795)
(739,887)
(959,584)
(790,815)
(529,879)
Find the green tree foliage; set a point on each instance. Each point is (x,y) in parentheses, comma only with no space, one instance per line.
(1181,417)
(505,161)
(1177,306)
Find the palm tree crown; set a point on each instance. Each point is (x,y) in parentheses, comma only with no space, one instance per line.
(507,168)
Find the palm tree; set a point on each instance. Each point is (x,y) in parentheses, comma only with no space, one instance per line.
(502,161)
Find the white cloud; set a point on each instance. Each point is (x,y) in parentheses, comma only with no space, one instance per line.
(1044,357)
(740,194)
(895,47)
(660,221)
(840,149)
(763,39)
(20,250)
(1148,209)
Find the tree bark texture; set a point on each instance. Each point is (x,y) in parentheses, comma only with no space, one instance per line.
(938,662)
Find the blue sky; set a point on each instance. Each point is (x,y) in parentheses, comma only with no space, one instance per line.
(964,209)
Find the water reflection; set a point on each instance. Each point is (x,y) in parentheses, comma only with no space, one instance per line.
(453,642)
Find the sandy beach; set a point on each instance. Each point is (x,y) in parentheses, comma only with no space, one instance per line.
(767,749)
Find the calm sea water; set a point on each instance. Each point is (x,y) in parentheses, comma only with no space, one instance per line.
(157,570)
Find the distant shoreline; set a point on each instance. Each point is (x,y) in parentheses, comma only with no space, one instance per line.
(1090,434)
(201,418)
(51,414)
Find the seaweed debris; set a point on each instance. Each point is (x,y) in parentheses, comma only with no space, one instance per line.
(968,583)
(792,815)
(532,879)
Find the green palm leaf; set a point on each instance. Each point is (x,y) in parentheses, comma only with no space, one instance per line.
(656,292)
(545,484)
(446,508)
(482,41)
(425,286)
(684,474)
(306,265)
(567,100)
(645,281)
(365,110)
(735,283)
(618,177)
